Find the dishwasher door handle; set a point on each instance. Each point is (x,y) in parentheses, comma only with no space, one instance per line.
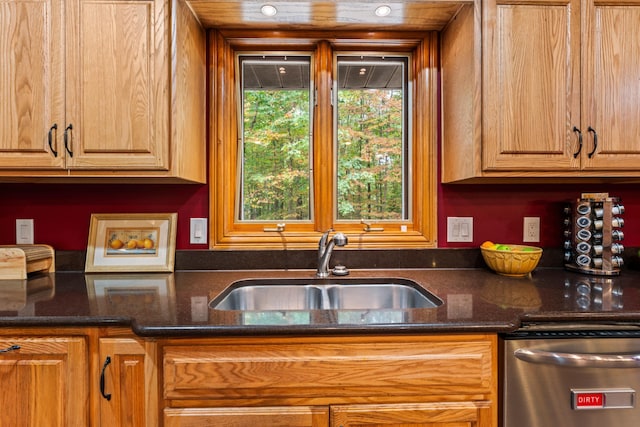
(581,360)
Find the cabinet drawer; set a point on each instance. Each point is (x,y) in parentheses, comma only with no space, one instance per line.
(299,416)
(328,368)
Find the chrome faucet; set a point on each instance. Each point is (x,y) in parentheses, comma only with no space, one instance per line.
(325,249)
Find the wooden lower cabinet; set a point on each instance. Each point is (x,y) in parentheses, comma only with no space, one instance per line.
(128,383)
(357,381)
(57,378)
(431,381)
(43,381)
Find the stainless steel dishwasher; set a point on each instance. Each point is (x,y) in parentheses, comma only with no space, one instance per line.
(560,375)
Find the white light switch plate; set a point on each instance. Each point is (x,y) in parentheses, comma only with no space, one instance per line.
(198,231)
(459,229)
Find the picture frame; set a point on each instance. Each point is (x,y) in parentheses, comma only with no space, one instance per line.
(135,242)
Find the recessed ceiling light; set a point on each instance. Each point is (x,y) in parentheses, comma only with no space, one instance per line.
(383,10)
(268,10)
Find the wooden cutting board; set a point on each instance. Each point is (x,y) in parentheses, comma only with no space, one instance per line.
(17,261)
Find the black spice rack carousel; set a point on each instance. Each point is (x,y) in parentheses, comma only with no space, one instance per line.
(593,234)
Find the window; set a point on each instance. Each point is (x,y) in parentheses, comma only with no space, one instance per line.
(372,134)
(313,134)
(275,166)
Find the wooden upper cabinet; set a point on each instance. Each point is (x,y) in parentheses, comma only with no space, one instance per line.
(117,86)
(553,73)
(31,83)
(611,84)
(531,96)
(117,83)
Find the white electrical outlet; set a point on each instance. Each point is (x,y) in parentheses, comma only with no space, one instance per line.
(531,231)
(24,231)
(459,229)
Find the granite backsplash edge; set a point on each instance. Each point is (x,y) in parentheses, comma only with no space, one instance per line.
(354,259)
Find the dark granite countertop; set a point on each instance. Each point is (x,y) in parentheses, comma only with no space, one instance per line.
(475,300)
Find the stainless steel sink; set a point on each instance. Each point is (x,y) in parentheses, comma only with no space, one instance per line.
(324,294)
(382,296)
(257,297)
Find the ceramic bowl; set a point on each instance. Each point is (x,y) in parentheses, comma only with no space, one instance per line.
(518,261)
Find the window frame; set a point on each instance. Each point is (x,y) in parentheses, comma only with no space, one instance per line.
(226,233)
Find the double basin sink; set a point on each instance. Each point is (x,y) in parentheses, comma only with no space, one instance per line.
(324,294)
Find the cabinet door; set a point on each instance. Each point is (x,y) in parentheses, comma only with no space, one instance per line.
(117,73)
(293,416)
(611,94)
(445,414)
(31,84)
(531,84)
(44,382)
(129,378)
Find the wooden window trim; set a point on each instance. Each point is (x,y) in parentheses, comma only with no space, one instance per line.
(227,234)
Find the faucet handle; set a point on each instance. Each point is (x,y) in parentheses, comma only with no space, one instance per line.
(340,239)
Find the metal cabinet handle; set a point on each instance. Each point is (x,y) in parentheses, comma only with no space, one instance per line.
(107,361)
(578,359)
(66,139)
(595,141)
(577,153)
(50,138)
(10,348)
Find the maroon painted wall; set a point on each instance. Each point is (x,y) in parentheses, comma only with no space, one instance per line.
(498,210)
(62,212)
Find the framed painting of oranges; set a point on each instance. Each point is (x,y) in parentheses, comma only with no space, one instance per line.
(131,243)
